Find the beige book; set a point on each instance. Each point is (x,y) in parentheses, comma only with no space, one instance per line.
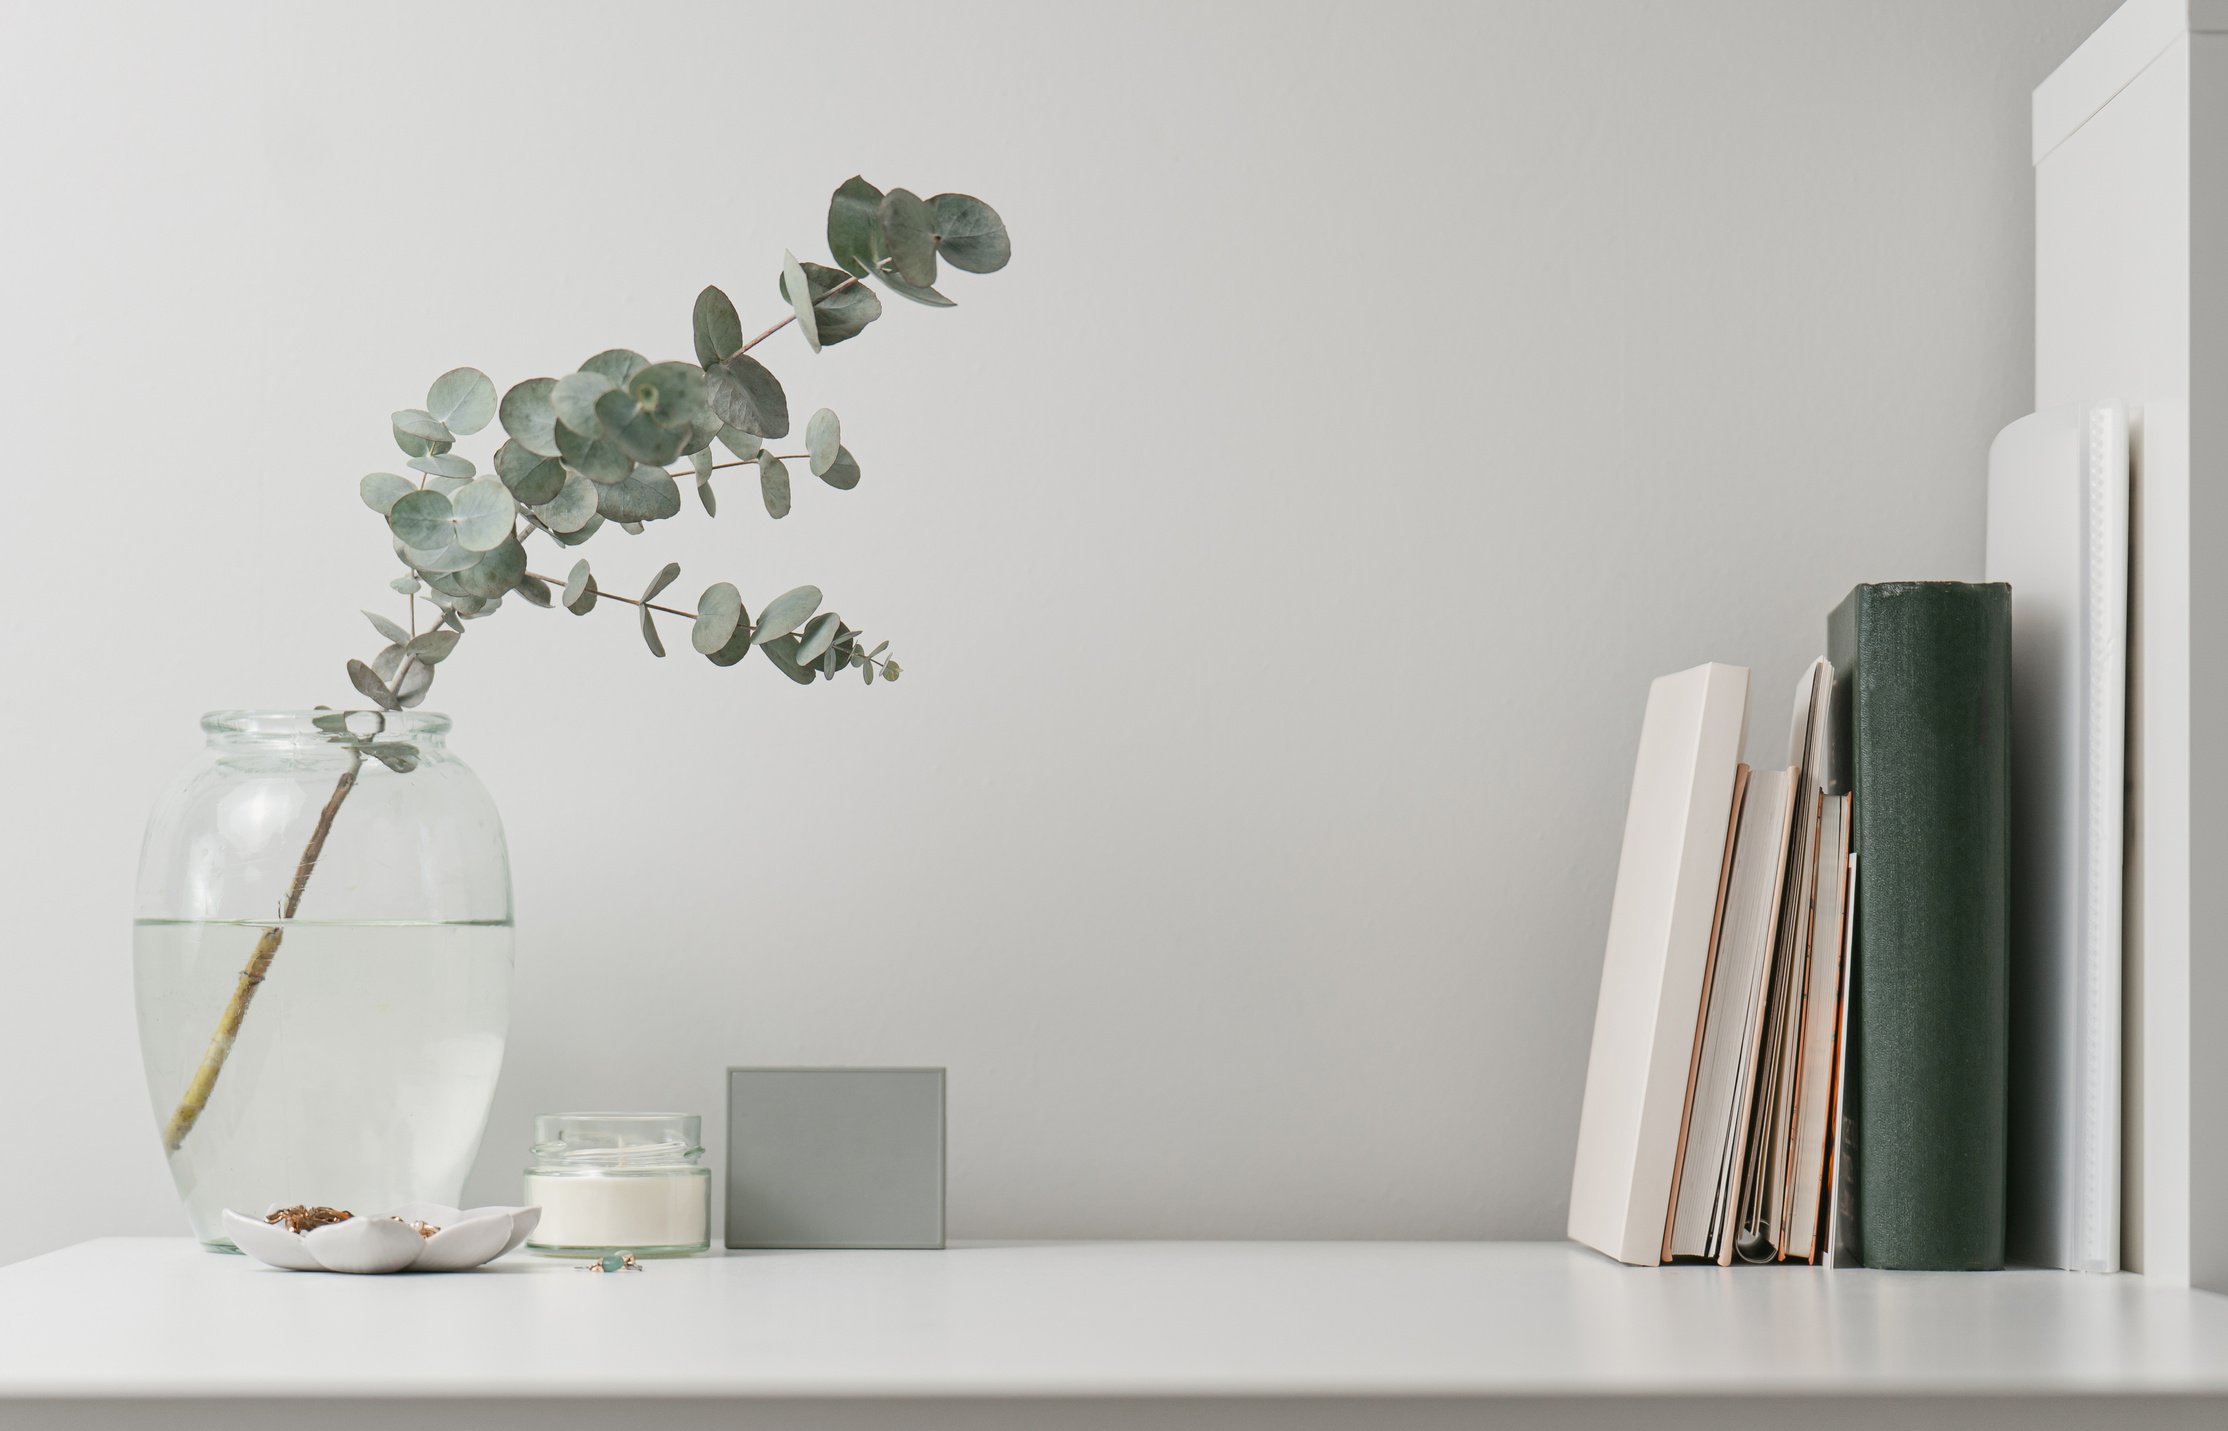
(1822,1002)
(1654,959)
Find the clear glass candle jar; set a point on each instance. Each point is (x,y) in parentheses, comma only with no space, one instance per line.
(620,1182)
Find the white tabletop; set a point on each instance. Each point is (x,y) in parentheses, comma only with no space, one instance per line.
(147,1317)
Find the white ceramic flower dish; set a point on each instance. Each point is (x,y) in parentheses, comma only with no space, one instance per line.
(468,1238)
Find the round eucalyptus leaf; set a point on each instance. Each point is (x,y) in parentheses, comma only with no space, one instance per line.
(446,486)
(773,485)
(818,635)
(447,593)
(598,459)
(744,393)
(486,513)
(843,473)
(783,653)
(927,297)
(445,464)
(535,590)
(823,439)
(578,582)
(462,400)
(647,494)
(574,538)
(800,299)
(390,629)
(396,755)
(364,679)
(496,572)
(422,520)
(866,672)
(737,647)
(422,425)
(617,364)
(719,329)
(407,585)
(718,612)
(854,225)
(708,497)
(889,670)
(574,399)
(650,632)
(786,612)
(411,686)
(433,646)
(667,575)
(672,394)
(572,508)
(433,563)
(632,529)
(701,432)
(637,433)
(839,311)
(416,446)
(381,490)
(745,445)
(969,233)
(536,484)
(909,236)
(528,417)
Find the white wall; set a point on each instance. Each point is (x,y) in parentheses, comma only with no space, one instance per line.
(1280,548)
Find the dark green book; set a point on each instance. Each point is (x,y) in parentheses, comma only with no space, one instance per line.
(1921,726)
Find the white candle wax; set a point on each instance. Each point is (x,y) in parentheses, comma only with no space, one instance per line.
(620,1210)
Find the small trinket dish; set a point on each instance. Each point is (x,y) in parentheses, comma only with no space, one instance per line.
(423,1237)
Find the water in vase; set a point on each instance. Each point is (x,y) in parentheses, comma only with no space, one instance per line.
(363,1067)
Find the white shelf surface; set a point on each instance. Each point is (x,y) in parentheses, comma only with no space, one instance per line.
(133,1319)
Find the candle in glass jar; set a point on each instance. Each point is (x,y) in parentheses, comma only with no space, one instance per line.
(626,1182)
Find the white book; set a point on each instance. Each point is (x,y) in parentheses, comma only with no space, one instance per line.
(2058,533)
(1668,880)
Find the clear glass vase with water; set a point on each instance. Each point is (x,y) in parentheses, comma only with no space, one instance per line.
(322,964)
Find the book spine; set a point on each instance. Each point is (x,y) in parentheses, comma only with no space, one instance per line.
(1925,707)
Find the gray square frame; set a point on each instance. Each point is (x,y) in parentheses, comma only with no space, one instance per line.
(835,1157)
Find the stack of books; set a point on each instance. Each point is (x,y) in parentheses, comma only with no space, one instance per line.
(1784,1070)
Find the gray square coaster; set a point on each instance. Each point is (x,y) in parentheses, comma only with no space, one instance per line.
(835,1157)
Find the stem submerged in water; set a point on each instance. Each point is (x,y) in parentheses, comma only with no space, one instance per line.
(259,964)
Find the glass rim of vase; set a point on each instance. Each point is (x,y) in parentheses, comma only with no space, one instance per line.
(272,724)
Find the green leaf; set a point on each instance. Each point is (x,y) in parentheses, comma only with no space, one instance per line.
(745,445)
(486,514)
(708,497)
(412,686)
(587,529)
(718,612)
(533,480)
(783,653)
(367,680)
(854,225)
(701,464)
(647,494)
(672,394)
(599,459)
(422,521)
(638,434)
(394,754)
(719,329)
(423,425)
(818,635)
(667,575)
(773,485)
(417,446)
(381,490)
(839,312)
(889,670)
(823,439)
(432,646)
(744,393)
(617,364)
(388,663)
(866,672)
(496,572)
(843,475)
(794,284)
(447,486)
(786,612)
(574,400)
(969,233)
(650,632)
(445,464)
(580,590)
(392,630)
(535,590)
(573,507)
(407,585)
(432,562)
(909,236)
(333,723)
(737,647)
(632,529)
(528,417)
(462,400)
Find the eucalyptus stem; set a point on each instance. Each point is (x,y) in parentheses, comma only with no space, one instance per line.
(603,595)
(204,1082)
